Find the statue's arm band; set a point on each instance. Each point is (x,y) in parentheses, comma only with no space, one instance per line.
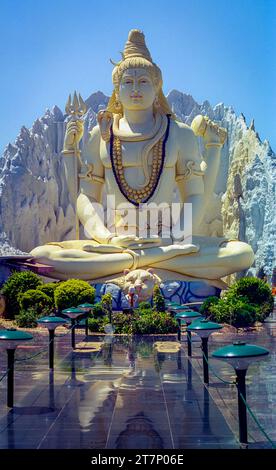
(70,153)
(90,177)
(213,144)
(185,176)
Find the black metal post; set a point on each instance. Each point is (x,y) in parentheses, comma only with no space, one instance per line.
(179,330)
(10,377)
(51,348)
(73,339)
(179,362)
(241,405)
(189,339)
(205,360)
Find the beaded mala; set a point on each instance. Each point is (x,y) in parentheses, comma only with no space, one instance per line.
(137,196)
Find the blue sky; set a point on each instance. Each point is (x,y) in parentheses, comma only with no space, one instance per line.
(220,50)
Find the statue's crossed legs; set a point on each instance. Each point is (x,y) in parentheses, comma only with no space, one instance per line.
(208,258)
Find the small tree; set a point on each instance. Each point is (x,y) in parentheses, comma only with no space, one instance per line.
(106,302)
(35,299)
(158,299)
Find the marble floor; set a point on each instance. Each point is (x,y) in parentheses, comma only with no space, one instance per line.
(121,393)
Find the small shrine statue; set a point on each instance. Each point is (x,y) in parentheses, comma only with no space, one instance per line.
(140,153)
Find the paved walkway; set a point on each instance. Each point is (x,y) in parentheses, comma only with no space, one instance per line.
(118,395)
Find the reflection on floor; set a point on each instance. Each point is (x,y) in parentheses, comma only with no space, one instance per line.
(117,393)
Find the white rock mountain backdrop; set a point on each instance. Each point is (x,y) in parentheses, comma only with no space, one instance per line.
(35,206)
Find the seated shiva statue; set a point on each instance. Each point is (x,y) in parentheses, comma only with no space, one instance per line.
(140,154)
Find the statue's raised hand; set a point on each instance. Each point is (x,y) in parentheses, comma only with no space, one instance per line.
(211,132)
(73,134)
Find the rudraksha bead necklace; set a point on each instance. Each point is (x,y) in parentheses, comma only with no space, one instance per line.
(137,196)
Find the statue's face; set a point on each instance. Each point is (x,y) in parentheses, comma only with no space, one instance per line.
(136,90)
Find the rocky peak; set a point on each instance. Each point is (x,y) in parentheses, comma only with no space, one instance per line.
(95,100)
(181,103)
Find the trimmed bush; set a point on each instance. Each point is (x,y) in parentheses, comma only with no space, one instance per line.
(35,299)
(248,300)
(238,313)
(256,290)
(18,283)
(263,311)
(72,293)
(49,289)
(158,299)
(27,318)
(205,308)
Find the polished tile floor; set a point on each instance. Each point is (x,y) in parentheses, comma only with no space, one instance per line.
(118,393)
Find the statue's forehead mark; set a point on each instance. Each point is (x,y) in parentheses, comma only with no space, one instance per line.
(136,73)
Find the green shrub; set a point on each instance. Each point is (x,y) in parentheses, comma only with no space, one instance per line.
(154,323)
(26,318)
(207,304)
(158,299)
(34,299)
(72,293)
(49,289)
(98,310)
(96,325)
(106,302)
(145,311)
(122,322)
(219,311)
(134,323)
(263,311)
(237,313)
(248,300)
(145,306)
(244,314)
(256,290)
(18,283)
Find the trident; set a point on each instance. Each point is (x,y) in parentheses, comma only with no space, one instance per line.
(76,109)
